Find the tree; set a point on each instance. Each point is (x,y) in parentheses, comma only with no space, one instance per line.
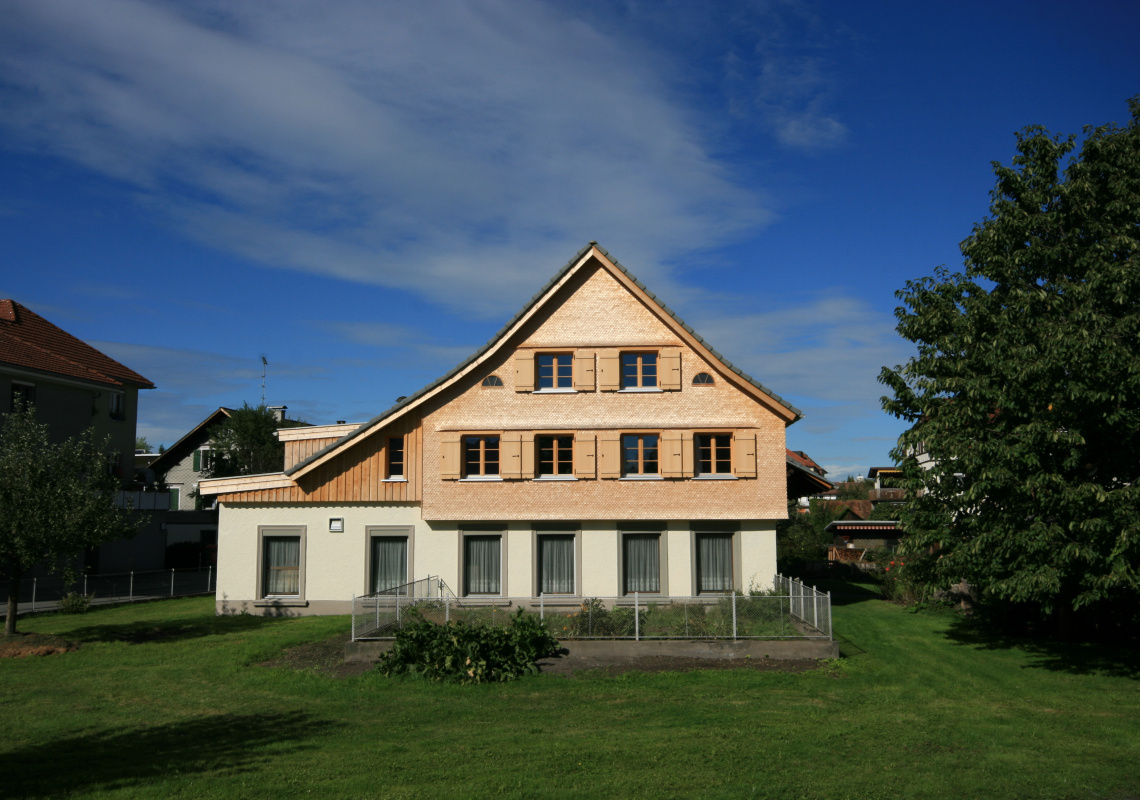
(1025,392)
(55,500)
(246,443)
(142,445)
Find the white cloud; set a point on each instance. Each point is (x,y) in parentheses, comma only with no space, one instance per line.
(447,148)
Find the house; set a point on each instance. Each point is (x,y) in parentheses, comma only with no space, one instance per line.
(72,385)
(182,465)
(805,477)
(595,447)
(853,537)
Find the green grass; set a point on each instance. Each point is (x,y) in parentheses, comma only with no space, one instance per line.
(165,700)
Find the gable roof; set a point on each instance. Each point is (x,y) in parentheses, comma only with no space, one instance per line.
(190,442)
(591,252)
(805,477)
(29,341)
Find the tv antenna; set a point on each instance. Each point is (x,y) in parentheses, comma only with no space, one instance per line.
(264,364)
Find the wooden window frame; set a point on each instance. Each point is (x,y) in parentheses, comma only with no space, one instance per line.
(714,455)
(566,452)
(641,473)
(640,384)
(710,382)
(390,462)
(492,382)
(482,439)
(562,377)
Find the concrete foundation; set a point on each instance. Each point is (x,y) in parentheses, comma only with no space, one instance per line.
(781,650)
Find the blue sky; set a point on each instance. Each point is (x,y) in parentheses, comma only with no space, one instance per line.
(364,192)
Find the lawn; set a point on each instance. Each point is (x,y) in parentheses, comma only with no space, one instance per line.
(165,700)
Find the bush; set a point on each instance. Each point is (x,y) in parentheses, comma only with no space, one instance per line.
(75,602)
(462,653)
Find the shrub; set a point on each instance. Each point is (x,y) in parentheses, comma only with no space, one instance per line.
(462,653)
(75,602)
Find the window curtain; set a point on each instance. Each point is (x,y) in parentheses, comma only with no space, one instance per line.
(389,563)
(714,563)
(642,563)
(282,570)
(481,566)
(556,554)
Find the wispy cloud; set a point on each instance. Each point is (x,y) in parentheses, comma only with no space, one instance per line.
(451,149)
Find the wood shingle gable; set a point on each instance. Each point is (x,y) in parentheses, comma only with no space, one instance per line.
(590,255)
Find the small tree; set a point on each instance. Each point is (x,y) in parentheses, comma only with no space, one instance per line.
(1025,391)
(55,500)
(142,445)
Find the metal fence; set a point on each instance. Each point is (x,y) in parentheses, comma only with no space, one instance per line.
(44,593)
(791,610)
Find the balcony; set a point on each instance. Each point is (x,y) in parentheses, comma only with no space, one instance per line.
(886,495)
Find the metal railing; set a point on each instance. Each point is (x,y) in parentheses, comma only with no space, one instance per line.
(44,593)
(791,611)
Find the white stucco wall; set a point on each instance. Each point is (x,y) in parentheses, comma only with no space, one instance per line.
(335,565)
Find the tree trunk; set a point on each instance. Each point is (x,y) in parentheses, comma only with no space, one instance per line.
(13,602)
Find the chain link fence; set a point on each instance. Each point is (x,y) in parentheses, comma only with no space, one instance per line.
(791,610)
(44,593)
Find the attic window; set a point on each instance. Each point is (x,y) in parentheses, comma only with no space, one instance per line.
(492,380)
(702,379)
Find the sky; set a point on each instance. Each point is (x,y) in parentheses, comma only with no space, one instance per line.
(364,192)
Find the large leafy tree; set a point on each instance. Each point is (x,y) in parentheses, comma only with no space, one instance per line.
(55,500)
(1025,391)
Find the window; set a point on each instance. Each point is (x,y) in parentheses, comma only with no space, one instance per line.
(714,562)
(492,380)
(480,455)
(638,370)
(641,558)
(396,457)
(203,460)
(556,564)
(481,564)
(555,455)
(555,371)
(714,453)
(23,395)
(117,406)
(388,564)
(281,566)
(639,454)
(702,379)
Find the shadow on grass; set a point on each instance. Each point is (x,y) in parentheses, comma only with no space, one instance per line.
(844,592)
(168,630)
(112,760)
(1077,658)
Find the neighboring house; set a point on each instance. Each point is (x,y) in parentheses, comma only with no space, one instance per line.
(182,465)
(888,485)
(805,477)
(852,538)
(595,447)
(72,385)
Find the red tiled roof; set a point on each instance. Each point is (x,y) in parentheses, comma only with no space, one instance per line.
(28,340)
(859,508)
(804,460)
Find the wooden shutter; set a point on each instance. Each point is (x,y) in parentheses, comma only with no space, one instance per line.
(450,456)
(672,459)
(524,371)
(526,461)
(510,456)
(609,455)
(669,370)
(687,455)
(585,464)
(744,454)
(584,370)
(197,460)
(609,372)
